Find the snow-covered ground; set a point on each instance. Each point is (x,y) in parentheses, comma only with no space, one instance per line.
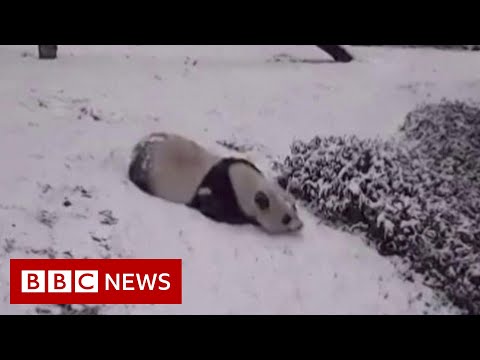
(68,127)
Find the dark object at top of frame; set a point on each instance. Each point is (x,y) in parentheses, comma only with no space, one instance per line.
(47,51)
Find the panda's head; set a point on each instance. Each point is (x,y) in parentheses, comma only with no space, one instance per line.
(275,211)
(261,200)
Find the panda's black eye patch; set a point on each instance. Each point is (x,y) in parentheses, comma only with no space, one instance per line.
(286,219)
(262,201)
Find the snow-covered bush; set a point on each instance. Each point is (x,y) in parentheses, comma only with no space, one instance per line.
(417,196)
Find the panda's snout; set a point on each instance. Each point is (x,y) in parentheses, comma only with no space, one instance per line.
(296,225)
(299,225)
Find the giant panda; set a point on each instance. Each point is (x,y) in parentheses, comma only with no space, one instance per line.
(225,189)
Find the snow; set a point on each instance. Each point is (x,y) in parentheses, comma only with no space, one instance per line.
(68,127)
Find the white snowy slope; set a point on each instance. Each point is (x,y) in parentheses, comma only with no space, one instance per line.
(68,126)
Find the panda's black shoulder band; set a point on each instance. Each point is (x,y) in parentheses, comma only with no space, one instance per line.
(221,204)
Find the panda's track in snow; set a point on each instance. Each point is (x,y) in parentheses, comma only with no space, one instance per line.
(47,218)
(90,113)
(8,245)
(68,309)
(103,243)
(189,64)
(417,197)
(48,252)
(232,145)
(27,54)
(83,192)
(107,218)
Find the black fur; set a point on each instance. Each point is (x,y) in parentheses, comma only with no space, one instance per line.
(262,201)
(137,174)
(221,204)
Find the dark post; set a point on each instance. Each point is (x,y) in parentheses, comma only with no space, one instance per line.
(338,53)
(47,51)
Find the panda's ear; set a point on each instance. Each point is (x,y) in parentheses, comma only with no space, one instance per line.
(262,201)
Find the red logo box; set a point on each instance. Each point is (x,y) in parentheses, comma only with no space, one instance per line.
(95,281)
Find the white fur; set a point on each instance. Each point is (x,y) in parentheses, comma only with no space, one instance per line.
(176,166)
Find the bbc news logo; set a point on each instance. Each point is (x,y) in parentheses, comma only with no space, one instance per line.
(95,281)
(59,281)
